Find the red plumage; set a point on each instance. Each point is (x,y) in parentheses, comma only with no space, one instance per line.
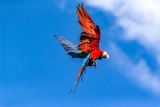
(89,39)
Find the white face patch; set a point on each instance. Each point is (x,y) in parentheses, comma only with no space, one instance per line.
(105,54)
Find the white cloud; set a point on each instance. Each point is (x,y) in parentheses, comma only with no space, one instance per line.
(139,18)
(139,72)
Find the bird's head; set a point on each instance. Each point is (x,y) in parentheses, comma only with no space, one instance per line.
(105,54)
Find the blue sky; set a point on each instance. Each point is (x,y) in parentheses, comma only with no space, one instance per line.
(36,71)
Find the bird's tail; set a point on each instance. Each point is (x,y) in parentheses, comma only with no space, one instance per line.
(85,63)
(70,48)
(77,79)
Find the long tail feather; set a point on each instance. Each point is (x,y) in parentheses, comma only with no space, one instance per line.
(77,80)
(85,63)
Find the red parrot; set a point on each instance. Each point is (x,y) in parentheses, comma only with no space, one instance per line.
(89,43)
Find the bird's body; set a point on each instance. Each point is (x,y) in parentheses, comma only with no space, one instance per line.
(89,43)
(94,56)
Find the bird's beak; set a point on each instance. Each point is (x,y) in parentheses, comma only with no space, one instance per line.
(106,56)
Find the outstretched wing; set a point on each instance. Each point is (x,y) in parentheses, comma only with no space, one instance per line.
(89,39)
(70,48)
(85,63)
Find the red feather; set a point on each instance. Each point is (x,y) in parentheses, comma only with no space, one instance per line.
(90,37)
(77,79)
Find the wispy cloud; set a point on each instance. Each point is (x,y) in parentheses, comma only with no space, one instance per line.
(66,5)
(139,19)
(138,72)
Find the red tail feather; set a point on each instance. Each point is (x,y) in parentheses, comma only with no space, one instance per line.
(77,80)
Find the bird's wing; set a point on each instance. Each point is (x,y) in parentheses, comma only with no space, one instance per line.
(85,63)
(90,37)
(68,46)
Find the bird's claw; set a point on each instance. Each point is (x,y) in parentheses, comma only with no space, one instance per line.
(95,64)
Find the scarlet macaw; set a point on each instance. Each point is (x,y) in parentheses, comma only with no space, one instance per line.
(89,43)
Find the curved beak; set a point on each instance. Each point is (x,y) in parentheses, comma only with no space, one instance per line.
(106,56)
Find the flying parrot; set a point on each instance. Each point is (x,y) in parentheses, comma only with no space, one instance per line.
(88,47)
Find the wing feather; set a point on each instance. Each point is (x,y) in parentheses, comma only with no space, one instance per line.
(70,48)
(89,39)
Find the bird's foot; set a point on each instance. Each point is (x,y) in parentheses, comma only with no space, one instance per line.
(94,64)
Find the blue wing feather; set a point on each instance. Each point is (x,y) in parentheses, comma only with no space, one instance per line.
(71,48)
(68,46)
